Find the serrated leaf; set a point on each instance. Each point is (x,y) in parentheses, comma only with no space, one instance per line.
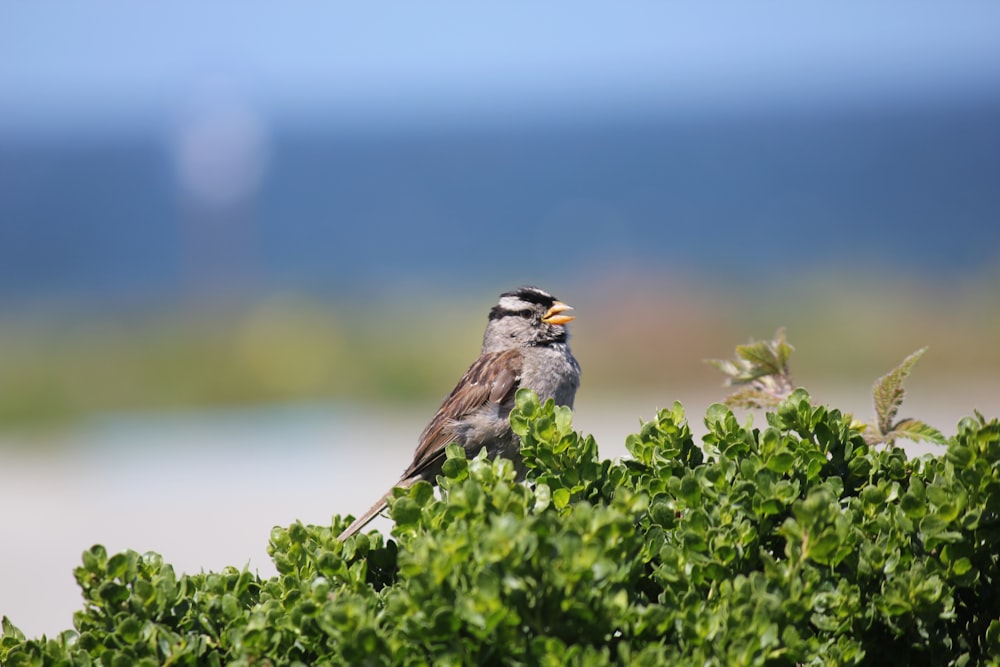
(888,391)
(760,354)
(768,357)
(916,430)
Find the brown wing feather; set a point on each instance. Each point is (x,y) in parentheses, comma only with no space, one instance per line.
(491,379)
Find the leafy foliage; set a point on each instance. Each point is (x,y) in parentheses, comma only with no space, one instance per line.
(791,543)
(888,395)
(761,370)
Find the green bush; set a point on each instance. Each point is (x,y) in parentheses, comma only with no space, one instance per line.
(792,543)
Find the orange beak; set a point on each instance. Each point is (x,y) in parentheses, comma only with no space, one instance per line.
(552,316)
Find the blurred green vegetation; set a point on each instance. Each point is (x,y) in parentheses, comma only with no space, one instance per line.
(57,366)
(633,334)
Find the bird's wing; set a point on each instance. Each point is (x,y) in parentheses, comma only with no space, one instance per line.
(491,379)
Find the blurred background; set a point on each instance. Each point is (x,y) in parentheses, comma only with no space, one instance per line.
(246,250)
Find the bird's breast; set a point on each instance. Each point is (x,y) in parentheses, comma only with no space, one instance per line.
(552,372)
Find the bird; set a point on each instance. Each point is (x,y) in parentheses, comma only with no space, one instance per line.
(526,344)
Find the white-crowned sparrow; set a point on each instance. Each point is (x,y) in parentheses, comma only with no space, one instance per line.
(525,345)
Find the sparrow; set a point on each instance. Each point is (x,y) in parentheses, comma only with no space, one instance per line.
(525,344)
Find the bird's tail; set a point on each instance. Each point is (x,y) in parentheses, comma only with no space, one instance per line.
(373,511)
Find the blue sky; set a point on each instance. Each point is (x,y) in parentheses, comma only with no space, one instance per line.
(114,62)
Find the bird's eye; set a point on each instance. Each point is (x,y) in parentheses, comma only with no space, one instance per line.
(526,313)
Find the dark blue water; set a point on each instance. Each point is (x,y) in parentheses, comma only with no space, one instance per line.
(105,216)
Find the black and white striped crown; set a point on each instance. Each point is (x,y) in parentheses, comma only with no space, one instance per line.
(515,301)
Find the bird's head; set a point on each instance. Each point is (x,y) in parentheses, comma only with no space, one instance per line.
(526,317)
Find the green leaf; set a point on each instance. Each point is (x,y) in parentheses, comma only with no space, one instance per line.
(10,630)
(526,401)
(993,637)
(960,456)
(961,566)
(717,415)
(873,496)
(543,497)
(564,419)
(939,494)
(95,558)
(112,593)
(404,511)
(689,490)
(915,430)
(129,629)
(888,391)
(781,462)
(762,356)
(455,469)
(913,506)
(932,525)
(422,493)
